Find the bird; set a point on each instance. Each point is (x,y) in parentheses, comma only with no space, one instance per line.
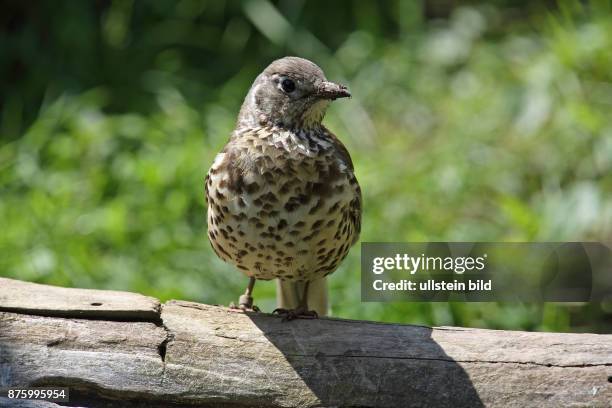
(283,199)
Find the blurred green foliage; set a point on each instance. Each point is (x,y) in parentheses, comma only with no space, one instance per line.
(475,122)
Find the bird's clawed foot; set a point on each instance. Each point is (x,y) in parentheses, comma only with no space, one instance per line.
(245,303)
(298,313)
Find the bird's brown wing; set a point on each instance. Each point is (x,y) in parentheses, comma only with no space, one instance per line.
(355,215)
(355,211)
(355,205)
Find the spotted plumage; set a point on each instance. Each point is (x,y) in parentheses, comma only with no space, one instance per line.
(283,200)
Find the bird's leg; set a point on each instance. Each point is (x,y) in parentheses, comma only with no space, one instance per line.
(299,312)
(245,301)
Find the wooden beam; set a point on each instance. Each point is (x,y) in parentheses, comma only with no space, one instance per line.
(33,298)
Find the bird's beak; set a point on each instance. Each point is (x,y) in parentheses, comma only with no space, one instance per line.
(332,90)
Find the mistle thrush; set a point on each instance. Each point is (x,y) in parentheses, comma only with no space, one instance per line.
(283,201)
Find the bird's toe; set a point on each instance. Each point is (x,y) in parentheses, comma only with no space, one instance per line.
(292,314)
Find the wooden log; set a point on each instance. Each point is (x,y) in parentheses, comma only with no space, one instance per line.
(193,354)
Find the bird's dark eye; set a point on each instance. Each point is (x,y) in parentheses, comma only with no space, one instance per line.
(288,85)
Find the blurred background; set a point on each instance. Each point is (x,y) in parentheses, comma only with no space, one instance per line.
(469,122)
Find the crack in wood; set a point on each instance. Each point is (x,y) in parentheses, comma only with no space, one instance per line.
(446,360)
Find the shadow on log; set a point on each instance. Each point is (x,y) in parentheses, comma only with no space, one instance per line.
(124,349)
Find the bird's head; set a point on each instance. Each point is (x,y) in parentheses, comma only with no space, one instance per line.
(291,92)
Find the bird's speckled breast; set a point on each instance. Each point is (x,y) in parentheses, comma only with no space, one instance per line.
(282,204)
